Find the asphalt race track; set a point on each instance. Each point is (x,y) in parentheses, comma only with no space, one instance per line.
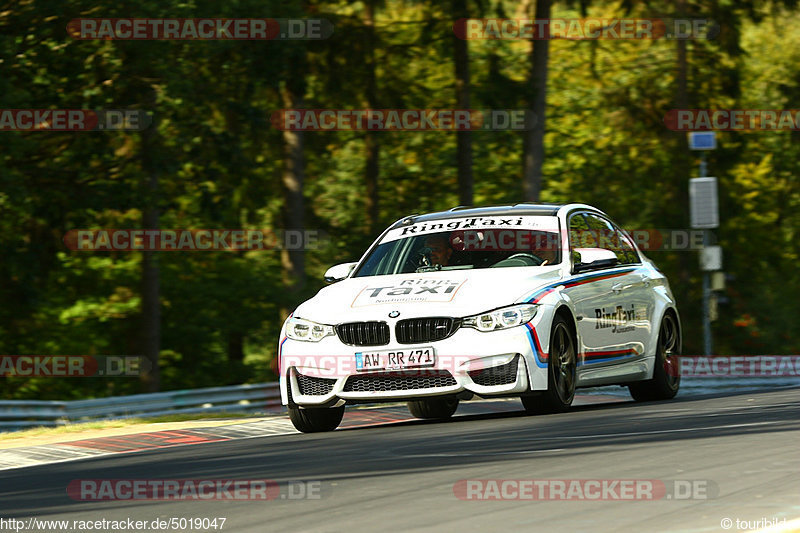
(741,449)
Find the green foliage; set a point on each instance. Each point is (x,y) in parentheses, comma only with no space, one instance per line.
(219,163)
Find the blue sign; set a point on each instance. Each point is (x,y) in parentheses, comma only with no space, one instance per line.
(702,140)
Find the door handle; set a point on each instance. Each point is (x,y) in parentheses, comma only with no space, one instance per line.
(619,287)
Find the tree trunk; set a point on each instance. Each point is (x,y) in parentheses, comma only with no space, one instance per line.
(463,138)
(372,143)
(235,346)
(151,304)
(293,261)
(533,154)
(683,171)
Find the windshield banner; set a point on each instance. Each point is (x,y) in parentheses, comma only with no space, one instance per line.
(540,223)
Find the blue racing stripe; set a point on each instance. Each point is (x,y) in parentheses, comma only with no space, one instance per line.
(576,281)
(539,363)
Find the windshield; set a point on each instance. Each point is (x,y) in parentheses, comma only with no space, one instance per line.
(465,244)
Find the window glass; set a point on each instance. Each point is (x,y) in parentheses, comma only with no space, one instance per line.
(628,252)
(603,234)
(579,235)
(587,230)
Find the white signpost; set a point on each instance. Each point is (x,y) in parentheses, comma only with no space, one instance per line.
(704,204)
(704,213)
(711,258)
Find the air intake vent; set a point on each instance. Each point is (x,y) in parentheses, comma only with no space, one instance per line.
(399,382)
(430,329)
(496,375)
(363,333)
(314,386)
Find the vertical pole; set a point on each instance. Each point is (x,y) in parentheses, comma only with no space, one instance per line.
(707,348)
(703,166)
(151,276)
(706,297)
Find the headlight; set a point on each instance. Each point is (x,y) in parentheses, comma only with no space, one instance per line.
(304,330)
(504,318)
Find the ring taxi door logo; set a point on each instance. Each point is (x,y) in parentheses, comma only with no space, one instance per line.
(618,319)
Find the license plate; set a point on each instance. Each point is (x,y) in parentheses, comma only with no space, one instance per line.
(395,359)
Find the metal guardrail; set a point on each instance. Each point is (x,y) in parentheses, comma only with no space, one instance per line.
(19,414)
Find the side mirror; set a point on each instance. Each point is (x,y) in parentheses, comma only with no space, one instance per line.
(339,272)
(592,258)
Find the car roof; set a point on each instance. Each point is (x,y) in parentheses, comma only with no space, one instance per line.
(512,209)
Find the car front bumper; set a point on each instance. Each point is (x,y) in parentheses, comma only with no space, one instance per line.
(498,363)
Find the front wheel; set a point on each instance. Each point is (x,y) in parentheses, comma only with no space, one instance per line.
(433,407)
(561,368)
(667,372)
(315,420)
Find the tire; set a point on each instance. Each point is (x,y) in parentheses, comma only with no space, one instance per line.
(315,420)
(433,407)
(667,372)
(561,368)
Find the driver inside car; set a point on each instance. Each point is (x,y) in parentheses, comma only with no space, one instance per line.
(440,250)
(545,247)
(547,255)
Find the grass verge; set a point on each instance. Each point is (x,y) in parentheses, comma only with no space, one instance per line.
(81,427)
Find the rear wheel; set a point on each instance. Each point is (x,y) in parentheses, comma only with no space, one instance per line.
(433,407)
(315,420)
(561,368)
(667,372)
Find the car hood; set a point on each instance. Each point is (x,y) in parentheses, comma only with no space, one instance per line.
(455,293)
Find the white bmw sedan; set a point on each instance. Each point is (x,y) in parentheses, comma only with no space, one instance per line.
(529,301)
